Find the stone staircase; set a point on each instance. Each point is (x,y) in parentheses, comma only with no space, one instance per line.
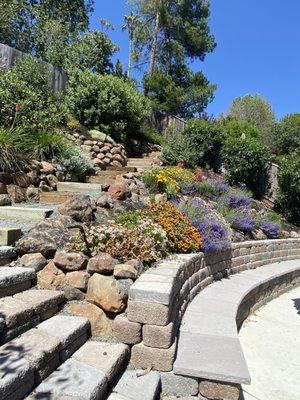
(46,354)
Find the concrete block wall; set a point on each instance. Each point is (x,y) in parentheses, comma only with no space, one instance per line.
(158,299)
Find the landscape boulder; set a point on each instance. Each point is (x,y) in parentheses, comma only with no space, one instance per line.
(47,237)
(123,271)
(118,192)
(35,261)
(78,279)
(102,263)
(51,278)
(101,326)
(71,261)
(16,193)
(107,293)
(79,208)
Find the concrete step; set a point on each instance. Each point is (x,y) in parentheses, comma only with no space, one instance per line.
(137,385)
(25,310)
(27,360)
(9,236)
(87,375)
(76,187)
(24,213)
(15,279)
(7,254)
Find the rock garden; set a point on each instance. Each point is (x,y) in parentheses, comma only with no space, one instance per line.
(132,225)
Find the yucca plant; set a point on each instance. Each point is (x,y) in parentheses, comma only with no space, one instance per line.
(13,154)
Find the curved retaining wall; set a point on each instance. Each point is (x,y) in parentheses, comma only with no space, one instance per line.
(158,299)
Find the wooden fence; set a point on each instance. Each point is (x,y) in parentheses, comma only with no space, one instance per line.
(167,124)
(8,56)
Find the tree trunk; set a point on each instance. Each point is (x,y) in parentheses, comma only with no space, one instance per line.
(154,44)
(129,59)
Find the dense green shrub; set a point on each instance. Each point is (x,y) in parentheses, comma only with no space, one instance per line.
(207,137)
(150,134)
(243,159)
(107,103)
(180,148)
(27,97)
(288,201)
(287,134)
(239,128)
(75,160)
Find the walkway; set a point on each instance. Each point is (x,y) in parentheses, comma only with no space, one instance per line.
(271,344)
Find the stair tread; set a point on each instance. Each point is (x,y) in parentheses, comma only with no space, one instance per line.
(74,379)
(13,275)
(17,309)
(32,352)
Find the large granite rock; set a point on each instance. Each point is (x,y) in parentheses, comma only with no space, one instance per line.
(101,326)
(79,208)
(107,293)
(47,237)
(70,261)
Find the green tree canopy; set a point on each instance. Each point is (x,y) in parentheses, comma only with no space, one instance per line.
(287,134)
(254,109)
(177,32)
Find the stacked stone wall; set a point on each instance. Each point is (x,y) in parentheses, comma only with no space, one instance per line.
(158,299)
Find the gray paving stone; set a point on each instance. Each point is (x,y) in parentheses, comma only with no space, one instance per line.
(211,357)
(208,324)
(219,306)
(74,378)
(13,275)
(14,311)
(12,333)
(14,371)
(7,252)
(41,300)
(156,292)
(105,357)
(24,213)
(135,387)
(177,385)
(65,328)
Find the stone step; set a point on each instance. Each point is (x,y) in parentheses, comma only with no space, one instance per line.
(27,360)
(54,197)
(101,180)
(121,170)
(137,385)
(7,254)
(87,375)
(9,236)
(76,187)
(24,213)
(15,279)
(25,310)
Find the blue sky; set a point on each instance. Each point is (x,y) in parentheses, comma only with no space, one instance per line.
(258,43)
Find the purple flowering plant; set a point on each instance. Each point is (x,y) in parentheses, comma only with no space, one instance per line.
(214,233)
(271,229)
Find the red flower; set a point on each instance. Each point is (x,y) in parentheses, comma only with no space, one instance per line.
(198,176)
(18,107)
(180,165)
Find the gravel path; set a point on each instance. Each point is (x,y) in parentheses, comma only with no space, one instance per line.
(271,343)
